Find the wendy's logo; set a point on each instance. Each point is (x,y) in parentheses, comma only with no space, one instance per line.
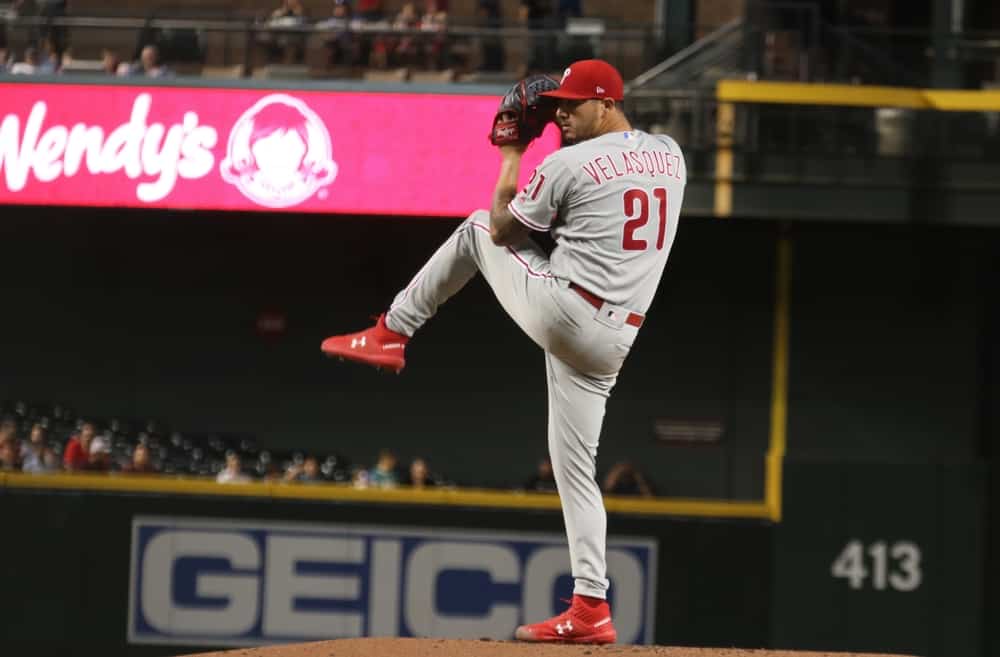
(279,153)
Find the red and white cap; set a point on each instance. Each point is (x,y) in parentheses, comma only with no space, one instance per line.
(590,78)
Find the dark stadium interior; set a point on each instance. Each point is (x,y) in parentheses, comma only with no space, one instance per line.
(809,419)
(167,330)
(165,308)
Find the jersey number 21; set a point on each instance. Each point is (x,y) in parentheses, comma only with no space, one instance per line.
(637,213)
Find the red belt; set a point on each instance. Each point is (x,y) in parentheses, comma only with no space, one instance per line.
(633,319)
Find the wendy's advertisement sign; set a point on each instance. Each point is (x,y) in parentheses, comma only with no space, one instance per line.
(242,149)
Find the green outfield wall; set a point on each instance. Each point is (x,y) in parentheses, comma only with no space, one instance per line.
(891,411)
(869,557)
(882,558)
(66,568)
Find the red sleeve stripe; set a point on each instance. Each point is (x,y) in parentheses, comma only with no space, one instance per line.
(524,220)
(524,263)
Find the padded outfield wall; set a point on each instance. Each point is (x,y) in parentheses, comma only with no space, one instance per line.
(159,574)
(883,524)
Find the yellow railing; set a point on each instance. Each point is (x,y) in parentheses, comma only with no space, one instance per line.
(334,493)
(847,95)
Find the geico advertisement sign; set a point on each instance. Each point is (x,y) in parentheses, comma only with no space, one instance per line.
(215,582)
(244,149)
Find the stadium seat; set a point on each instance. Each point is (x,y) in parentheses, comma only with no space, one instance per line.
(391,75)
(431,77)
(222,72)
(579,26)
(282,72)
(187,69)
(83,67)
(489,77)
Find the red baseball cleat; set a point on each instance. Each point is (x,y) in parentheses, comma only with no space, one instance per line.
(378,346)
(588,620)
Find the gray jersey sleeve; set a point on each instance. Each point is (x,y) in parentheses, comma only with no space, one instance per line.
(548,189)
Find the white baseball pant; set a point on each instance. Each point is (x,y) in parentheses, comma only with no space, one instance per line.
(582,358)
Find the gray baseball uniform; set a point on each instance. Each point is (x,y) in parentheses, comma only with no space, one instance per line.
(612,204)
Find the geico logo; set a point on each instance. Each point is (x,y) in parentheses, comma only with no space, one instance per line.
(232,584)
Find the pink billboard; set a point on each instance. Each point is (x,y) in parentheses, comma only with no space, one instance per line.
(243,149)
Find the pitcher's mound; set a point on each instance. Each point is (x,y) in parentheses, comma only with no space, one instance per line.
(489,648)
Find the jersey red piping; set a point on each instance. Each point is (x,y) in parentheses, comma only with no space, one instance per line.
(524,220)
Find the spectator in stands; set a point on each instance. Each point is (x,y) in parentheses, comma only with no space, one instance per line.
(51,58)
(52,459)
(342,46)
(36,456)
(100,454)
(311,472)
(151,64)
(22,444)
(384,475)
(29,64)
(335,468)
(10,457)
(54,9)
(370,10)
(435,21)
(341,16)
(492,47)
(435,14)
(413,50)
(110,62)
(371,49)
(625,479)
(268,469)
(287,47)
(141,462)
(359,478)
(67,59)
(420,475)
(543,481)
(398,50)
(233,472)
(306,472)
(76,456)
(291,12)
(8,431)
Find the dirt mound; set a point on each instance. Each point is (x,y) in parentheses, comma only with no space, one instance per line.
(489,648)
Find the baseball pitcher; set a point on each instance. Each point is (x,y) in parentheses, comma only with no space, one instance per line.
(611,199)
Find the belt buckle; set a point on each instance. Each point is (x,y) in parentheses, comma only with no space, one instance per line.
(612,316)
